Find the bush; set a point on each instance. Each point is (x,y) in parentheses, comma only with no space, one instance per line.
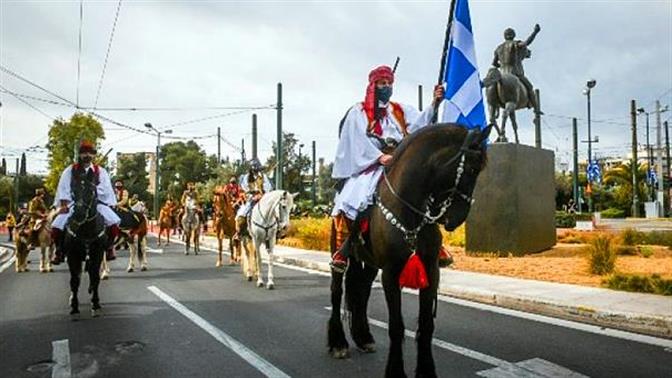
(631,236)
(455,238)
(626,250)
(657,238)
(646,251)
(564,219)
(309,233)
(613,213)
(601,255)
(639,283)
(584,217)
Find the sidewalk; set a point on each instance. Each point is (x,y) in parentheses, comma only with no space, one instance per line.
(641,313)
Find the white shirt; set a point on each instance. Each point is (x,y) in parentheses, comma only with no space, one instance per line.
(104,190)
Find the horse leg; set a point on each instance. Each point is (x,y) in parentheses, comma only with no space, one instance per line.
(187,241)
(142,250)
(271,244)
(44,260)
(257,261)
(104,268)
(514,124)
(358,282)
(395,359)
(220,249)
(95,260)
(197,239)
(336,341)
(75,267)
(425,361)
(133,252)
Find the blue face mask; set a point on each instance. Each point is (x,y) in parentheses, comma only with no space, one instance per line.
(383,94)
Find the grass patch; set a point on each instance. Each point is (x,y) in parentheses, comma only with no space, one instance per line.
(309,233)
(646,251)
(601,255)
(637,283)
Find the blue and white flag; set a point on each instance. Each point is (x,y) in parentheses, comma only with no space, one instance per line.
(652,177)
(594,172)
(464,96)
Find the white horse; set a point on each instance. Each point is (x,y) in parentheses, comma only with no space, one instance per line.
(191,224)
(268,220)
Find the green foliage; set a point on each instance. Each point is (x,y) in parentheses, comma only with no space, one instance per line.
(181,163)
(326,185)
(295,168)
(653,284)
(613,213)
(646,251)
(564,220)
(658,238)
(601,255)
(584,216)
(455,238)
(563,190)
(132,169)
(64,137)
(619,183)
(630,236)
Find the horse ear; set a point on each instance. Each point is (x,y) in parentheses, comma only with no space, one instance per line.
(473,137)
(294,195)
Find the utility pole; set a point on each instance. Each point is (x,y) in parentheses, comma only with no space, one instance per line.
(254,136)
(312,188)
(242,151)
(219,146)
(659,154)
(667,171)
(635,200)
(420,97)
(16,187)
(278,153)
(537,121)
(575,173)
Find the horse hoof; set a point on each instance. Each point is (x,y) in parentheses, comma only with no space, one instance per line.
(218,264)
(74,315)
(104,277)
(42,270)
(367,348)
(129,270)
(95,313)
(340,354)
(249,278)
(143,269)
(50,270)
(270,286)
(260,283)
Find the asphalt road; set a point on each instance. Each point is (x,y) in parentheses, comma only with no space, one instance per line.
(185,318)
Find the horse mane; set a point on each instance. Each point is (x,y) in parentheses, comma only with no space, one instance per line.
(446,132)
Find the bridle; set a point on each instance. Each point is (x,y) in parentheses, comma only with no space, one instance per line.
(433,211)
(275,210)
(93,201)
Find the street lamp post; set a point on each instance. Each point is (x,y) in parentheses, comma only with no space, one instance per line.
(157,165)
(590,84)
(649,157)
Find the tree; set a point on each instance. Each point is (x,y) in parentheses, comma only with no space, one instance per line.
(619,179)
(64,138)
(132,169)
(326,185)
(181,163)
(22,170)
(293,165)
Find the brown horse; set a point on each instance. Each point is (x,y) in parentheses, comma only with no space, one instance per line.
(430,182)
(166,222)
(224,224)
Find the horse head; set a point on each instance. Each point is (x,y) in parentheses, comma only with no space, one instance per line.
(85,212)
(285,206)
(459,173)
(493,77)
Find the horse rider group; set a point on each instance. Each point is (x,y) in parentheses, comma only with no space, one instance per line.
(254,184)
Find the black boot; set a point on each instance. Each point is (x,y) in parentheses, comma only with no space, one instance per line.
(57,239)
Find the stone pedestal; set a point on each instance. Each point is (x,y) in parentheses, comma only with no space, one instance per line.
(514,210)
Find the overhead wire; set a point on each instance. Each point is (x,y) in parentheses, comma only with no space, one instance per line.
(107,56)
(29,104)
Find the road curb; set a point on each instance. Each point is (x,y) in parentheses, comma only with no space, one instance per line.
(659,326)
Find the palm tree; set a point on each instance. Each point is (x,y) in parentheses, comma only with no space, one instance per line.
(620,180)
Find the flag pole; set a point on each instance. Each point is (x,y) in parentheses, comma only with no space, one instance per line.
(444,54)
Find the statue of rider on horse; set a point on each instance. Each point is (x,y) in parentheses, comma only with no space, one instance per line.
(506,85)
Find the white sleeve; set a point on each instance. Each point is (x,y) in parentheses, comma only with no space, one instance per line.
(243,182)
(105,191)
(415,119)
(267,184)
(355,151)
(63,190)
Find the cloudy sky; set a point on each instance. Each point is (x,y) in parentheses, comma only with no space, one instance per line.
(201,57)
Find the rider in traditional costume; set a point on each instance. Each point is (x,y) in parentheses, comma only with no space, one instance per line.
(255,183)
(37,211)
(233,190)
(64,200)
(369,132)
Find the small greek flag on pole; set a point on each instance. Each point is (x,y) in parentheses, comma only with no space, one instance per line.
(652,177)
(594,172)
(464,96)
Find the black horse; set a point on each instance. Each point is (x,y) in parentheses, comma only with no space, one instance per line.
(85,239)
(430,181)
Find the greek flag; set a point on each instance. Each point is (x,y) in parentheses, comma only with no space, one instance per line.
(652,177)
(593,172)
(464,97)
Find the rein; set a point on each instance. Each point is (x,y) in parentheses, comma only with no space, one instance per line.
(427,218)
(275,223)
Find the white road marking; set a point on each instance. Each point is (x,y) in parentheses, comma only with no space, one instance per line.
(533,368)
(61,357)
(241,350)
(155,250)
(624,335)
(7,264)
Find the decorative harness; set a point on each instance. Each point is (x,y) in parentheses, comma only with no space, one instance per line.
(428,217)
(276,221)
(78,179)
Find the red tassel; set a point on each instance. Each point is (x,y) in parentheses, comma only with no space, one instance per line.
(364,226)
(414,275)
